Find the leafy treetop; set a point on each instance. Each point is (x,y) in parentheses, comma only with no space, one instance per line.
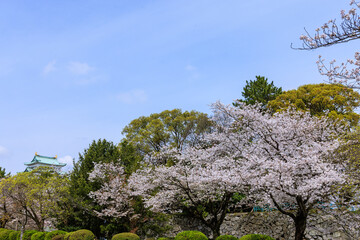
(259,90)
(334,101)
(170,127)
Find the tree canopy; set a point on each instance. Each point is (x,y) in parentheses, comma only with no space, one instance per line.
(173,128)
(35,195)
(82,214)
(335,101)
(258,91)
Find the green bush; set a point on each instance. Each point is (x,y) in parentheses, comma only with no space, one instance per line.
(4,234)
(125,236)
(27,234)
(191,235)
(14,235)
(67,236)
(50,235)
(226,237)
(256,237)
(37,236)
(82,234)
(58,237)
(165,238)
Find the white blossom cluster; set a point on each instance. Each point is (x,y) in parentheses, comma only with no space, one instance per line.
(342,74)
(114,194)
(282,155)
(330,33)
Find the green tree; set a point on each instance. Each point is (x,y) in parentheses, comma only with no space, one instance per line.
(82,214)
(130,159)
(2,172)
(258,91)
(35,195)
(334,101)
(5,214)
(173,128)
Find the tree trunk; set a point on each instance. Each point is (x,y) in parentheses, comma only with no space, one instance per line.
(216,232)
(300,226)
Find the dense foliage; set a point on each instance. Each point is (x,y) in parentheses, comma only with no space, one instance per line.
(125,236)
(258,91)
(256,237)
(173,128)
(15,235)
(82,234)
(28,234)
(50,235)
(82,214)
(4,234)
(38,236)
(191,235)
(35,195)
(226,237)
(335,101)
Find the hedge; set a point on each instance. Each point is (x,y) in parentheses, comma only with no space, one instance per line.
(38,236)
(226,237)
(14,235)
(50,235)
(125,236)
(256,237)
(82,234)
(4,234)
(27,234)
(67,236)
(191,235)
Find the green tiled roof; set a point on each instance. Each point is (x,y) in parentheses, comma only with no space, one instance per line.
(45,160)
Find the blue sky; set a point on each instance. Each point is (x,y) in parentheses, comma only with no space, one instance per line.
(75,71)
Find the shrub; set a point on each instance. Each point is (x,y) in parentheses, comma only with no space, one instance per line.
(191,235)
(67,235)
(14,235)
(50,235)
(4,234)
(27,234)
(125,236)
(226,237)
(165,238)
(37,236)
(256,237)
(58,237)
(82,234)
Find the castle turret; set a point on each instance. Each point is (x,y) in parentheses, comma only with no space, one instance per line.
(44,161)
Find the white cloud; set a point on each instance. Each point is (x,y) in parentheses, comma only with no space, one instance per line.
(79,68)
(67,159)
(69,162)
(133,96)
(190,68)
(50,67)
(3,151)
(193,71)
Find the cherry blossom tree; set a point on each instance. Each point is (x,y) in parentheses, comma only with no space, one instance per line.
(114,194)
(282,157)
(202,182)
(277,159)
(331,33)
